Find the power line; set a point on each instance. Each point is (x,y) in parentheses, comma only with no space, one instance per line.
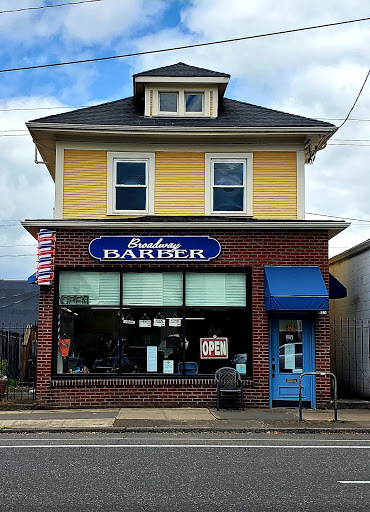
(16,255)
(344,144)
(19,245)
(48,6)
(136,54)
(46,108)
(352,140)
(356,100)
(336,217)
(319,118)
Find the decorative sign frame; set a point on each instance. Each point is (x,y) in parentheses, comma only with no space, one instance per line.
(154,248)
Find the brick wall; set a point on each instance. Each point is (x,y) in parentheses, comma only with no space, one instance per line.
(254,249)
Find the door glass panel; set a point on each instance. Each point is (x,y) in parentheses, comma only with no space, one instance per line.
(290,346)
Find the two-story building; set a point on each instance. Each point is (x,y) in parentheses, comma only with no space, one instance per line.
(179,245)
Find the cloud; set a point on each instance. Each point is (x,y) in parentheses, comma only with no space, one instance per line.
(89,24)
(27,188)
(315,73)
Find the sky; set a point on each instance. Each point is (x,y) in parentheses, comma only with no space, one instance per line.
(316,73)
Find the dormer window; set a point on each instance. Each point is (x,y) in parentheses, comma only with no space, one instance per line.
(168,102)
(193,102)
(187,101)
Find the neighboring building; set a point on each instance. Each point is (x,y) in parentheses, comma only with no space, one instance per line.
(350,318)
(180,243)
(19,303)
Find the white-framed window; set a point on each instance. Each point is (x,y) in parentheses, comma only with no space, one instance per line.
(194,102)
(181,102)
(229,184)
(169,102)
(130,188)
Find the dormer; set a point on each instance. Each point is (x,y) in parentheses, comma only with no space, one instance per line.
(180,90)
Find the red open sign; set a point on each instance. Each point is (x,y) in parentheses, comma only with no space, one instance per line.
(214,348)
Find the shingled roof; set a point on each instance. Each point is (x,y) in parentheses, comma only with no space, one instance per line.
(232,113)
(181,69)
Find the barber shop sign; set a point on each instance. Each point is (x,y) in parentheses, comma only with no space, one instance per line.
(154,248)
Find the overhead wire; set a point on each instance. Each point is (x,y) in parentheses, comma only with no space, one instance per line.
(184,47)
(337,217)
(48,6)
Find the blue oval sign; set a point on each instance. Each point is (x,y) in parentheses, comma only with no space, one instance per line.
(154,248)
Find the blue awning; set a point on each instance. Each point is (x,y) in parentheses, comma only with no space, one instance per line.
(336,289)
(32,279)
(295,288)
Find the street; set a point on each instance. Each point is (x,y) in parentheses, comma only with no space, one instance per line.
(184,472)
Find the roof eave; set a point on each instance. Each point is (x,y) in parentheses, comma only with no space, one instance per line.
(128,129)
(333,227)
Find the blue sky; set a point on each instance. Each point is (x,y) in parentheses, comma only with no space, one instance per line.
(315,74)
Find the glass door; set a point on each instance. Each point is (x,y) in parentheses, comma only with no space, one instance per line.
(291,355)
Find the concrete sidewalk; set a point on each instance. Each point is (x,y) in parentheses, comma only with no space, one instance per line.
(183,419)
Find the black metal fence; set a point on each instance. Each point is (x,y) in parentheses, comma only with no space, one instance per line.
(18,354)
(350,356)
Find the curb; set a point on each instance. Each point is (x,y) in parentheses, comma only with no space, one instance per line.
(191,429)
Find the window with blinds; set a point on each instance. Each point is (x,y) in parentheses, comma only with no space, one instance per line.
(152,289)
(206,289)
(102,288)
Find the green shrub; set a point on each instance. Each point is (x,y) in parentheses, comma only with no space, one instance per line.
(4,367)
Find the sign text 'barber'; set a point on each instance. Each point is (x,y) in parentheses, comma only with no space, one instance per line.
(154,248)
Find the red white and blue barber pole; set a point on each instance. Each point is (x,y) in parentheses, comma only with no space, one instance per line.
(45,257)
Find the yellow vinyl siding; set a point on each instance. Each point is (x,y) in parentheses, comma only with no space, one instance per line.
(179,183)
(275,185)
(85,184)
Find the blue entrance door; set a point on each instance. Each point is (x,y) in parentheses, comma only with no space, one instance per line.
(292,352)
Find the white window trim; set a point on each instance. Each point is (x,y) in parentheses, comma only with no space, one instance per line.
(248,193)
(168,112)
(181,110)
(112,158)
(202,94)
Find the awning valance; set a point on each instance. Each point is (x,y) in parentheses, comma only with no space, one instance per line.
(336,289)
(295,288)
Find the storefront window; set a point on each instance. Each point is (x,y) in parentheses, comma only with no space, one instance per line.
(152,289)
(151,331)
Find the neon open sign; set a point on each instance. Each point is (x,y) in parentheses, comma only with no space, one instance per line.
(154,248)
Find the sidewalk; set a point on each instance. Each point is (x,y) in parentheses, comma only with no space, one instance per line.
(183,419)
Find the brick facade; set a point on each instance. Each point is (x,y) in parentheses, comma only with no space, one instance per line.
(250,248)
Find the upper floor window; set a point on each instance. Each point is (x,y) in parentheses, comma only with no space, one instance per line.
(180,102)
(229,180)
(194,102)
(229,188)
(168,102)
(130,187)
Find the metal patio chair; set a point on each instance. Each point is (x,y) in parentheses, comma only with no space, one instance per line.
(228,381)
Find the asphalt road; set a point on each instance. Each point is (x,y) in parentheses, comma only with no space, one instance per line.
(184,472)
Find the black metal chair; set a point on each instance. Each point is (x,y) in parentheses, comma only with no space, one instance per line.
(228,381)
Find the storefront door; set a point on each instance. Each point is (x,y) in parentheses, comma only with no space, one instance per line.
(292,353)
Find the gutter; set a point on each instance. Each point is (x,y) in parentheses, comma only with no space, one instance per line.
(181,130)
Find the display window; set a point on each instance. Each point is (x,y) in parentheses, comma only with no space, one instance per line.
(179,323)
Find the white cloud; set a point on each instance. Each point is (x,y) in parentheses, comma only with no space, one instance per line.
(99,22)
(315,73)
(27,188)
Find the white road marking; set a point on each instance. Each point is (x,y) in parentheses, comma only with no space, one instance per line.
(354,481)
(185,439)
(306,447)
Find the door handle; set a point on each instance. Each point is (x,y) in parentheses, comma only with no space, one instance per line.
(273,370)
